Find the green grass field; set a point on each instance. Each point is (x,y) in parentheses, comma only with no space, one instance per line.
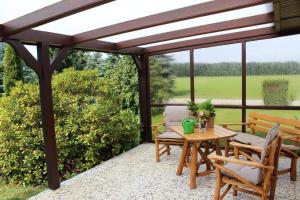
(17,192)
(231,87)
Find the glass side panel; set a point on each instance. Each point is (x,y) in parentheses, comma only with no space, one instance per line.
(273,71)
(169,78)
(218,74)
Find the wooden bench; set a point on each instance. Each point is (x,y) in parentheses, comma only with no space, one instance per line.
(261,123)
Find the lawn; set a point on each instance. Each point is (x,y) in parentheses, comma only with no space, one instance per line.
(17,192)
(230,87)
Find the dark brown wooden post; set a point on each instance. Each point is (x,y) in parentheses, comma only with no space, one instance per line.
(244,85)
(142,63)
(44,70)
(48,116)
(192,75)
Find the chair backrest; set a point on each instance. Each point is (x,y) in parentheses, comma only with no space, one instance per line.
(271,136)
(263,122)
(173,115)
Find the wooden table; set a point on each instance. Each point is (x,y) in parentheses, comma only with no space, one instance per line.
(195,140)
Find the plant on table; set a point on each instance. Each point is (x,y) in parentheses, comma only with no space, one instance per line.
(209,112)
(193,108)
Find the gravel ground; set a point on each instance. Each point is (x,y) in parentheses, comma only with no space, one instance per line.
(136,175)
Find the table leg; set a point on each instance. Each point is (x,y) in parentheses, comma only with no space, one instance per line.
(193,174)
(182,158)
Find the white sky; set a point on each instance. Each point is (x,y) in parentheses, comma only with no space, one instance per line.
(123,10)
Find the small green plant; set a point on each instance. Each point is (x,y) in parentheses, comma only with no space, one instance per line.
(193,107)
(207,106)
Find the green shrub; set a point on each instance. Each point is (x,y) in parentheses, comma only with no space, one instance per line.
(90,127)
(275,92)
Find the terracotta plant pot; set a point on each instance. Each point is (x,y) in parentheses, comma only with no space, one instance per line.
(211,122)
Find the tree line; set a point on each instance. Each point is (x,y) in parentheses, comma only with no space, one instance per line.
(235,68)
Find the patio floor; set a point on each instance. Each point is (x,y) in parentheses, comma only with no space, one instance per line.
(136,175)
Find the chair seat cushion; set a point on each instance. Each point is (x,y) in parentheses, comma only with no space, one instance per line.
(252,174)
(290,147)
(170,135)
(250,139)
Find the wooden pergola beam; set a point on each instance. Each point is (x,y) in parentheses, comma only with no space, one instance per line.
(180,14)
(59,40)
(204,29)
(48,14)
(210,40)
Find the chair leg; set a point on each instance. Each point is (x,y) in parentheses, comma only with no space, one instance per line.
(293,173)
(234,191)
(273,187)
(168,150)
(157,150)
(218,184)
(226,148)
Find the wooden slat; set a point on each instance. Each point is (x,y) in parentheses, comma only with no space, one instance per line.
(204,29)
(190,12)
(268,125)
(290,122)
(48,14)
(211,40)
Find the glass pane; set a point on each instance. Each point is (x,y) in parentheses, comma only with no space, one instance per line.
(229,116)
(273,71)
(157,117)
(218,74)
(169,78)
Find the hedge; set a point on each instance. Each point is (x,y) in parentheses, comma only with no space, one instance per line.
(275,92)
(90,127)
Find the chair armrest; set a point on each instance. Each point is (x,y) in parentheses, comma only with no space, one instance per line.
(225,125)
(157,125)
(246,146)
(240,162)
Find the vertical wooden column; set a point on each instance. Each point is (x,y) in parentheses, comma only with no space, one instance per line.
(244,88)
(142,63)
(48,116)
(192,75)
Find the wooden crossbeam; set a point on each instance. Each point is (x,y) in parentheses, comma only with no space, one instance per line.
(204,29)
(48,14)
(23,53)
(190,12)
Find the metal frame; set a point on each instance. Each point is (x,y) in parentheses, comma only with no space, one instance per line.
(19,31)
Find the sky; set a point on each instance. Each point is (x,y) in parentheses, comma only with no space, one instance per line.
(123,10)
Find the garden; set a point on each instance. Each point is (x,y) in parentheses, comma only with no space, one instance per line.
(97,110)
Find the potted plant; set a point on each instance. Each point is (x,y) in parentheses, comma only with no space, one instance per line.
(193,108)
(210,108)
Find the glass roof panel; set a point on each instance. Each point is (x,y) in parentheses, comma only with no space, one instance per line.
(11,9)
(246,12)
(112,13)
(210,35)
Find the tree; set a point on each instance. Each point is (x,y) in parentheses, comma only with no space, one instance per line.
(161,79)
(78,59)
(123,71)
(12,68)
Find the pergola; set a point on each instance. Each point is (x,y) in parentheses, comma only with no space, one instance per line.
(19,32)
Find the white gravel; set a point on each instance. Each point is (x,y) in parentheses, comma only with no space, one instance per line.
(136,175)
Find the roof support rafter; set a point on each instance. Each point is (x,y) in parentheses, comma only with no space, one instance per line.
(180,14)
(48,14)
(210,40)
(204,29)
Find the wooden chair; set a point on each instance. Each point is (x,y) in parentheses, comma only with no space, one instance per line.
(173,115)
(257,177)
(260,123)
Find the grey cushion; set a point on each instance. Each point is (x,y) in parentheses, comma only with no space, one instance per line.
(252,174)
(174,115)
(290,147)
(272,134)
(170,135)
